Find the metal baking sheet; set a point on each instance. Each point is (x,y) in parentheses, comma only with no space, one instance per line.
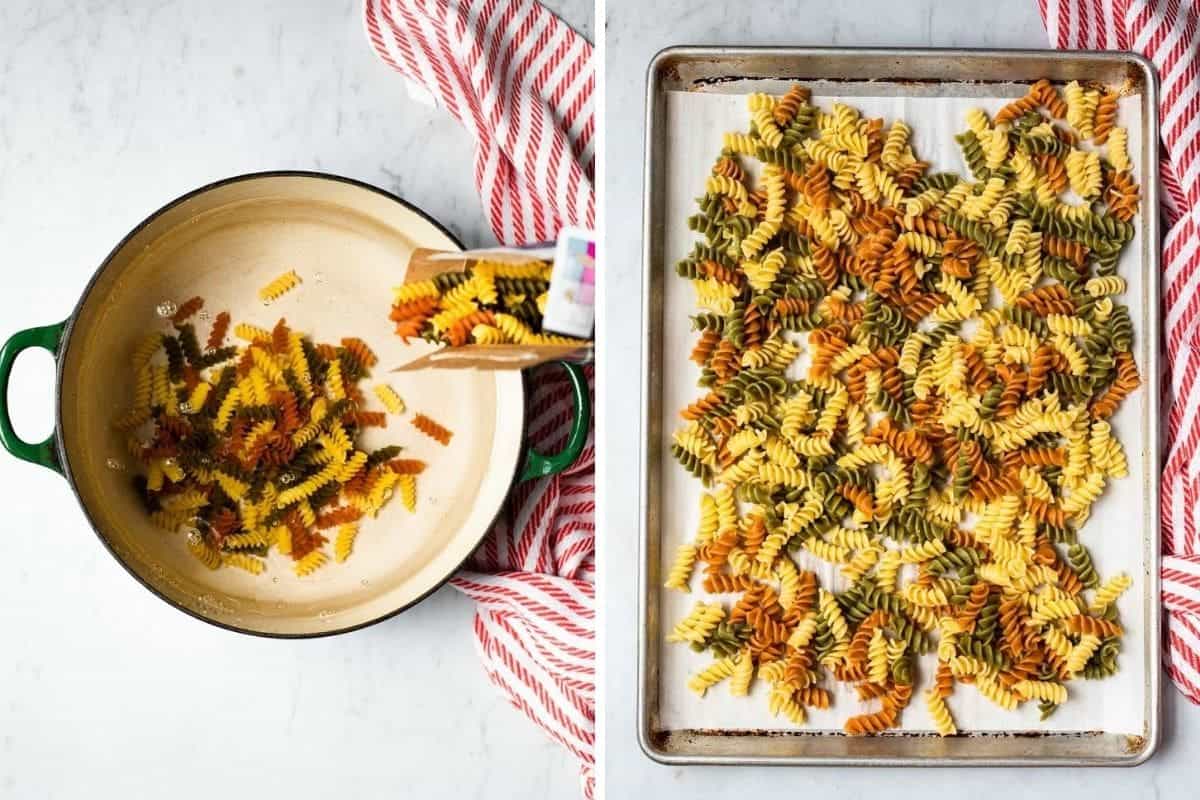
(694,94)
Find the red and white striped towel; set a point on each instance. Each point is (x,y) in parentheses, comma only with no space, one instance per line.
(521,81)
(1165,32)
(533,583)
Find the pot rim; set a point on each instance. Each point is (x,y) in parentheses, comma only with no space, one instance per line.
(60,446)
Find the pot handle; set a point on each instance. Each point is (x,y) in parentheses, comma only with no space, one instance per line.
(47,337)
(538,465)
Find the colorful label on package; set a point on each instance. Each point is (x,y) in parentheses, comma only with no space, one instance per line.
(571,305)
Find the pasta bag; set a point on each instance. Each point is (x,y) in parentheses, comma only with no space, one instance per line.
(485,309)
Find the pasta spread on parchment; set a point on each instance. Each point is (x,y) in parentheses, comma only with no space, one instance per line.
(962,349)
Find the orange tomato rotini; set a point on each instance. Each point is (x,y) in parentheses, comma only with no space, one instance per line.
(432,429)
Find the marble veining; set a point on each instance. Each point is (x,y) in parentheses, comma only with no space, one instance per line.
(107,111)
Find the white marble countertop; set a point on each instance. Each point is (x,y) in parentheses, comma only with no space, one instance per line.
(107,111)
(632,38)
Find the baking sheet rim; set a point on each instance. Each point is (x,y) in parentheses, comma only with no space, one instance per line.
(651,318)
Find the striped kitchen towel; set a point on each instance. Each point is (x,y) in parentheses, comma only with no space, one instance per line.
(1165,32)
(521,81)
(533,585)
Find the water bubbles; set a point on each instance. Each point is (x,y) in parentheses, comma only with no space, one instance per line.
(276,580)
(185,407)
(194,536)
(171,462)
(326,614)
(286,478)
(365,582)
(114,464)
(211,603)
(319,277)
(166,308)
(206,601)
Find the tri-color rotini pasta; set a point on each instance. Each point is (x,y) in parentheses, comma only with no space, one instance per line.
(488,303)
(252,447)
(941,448)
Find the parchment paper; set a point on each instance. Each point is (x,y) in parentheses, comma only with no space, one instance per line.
(1117,532)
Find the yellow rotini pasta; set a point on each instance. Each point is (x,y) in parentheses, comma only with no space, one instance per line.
(390,399)
(681,570)
(343,545)
(1118,149)
(279,286)
(712,675)
(310,563)
(743,674)
(243,561)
